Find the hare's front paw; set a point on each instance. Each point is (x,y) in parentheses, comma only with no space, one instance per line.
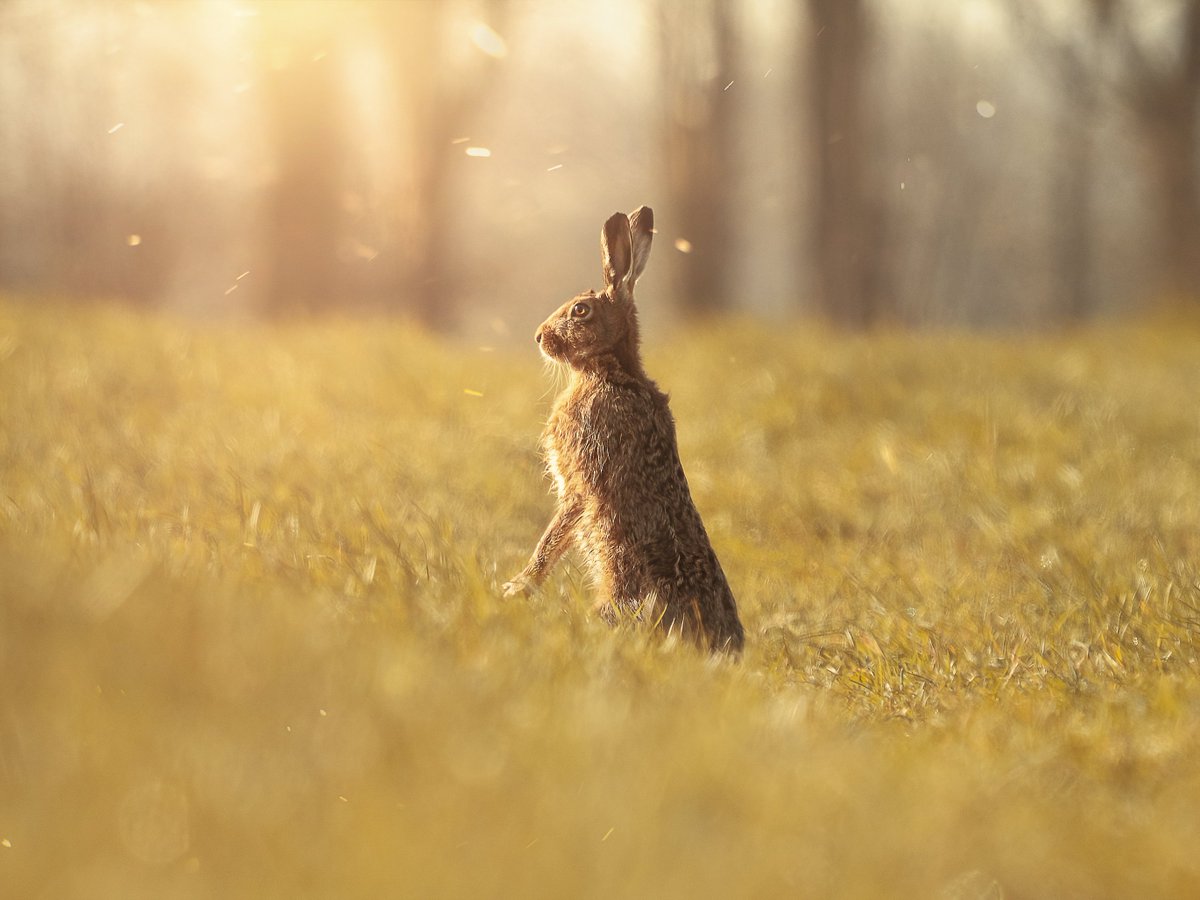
(520,585)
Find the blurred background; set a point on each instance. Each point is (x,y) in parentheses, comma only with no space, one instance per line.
(929,162)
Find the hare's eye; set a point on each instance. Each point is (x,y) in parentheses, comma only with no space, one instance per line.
(581,310)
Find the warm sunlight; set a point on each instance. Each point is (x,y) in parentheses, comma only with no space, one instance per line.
(599,449)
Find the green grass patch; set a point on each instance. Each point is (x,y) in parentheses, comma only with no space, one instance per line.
(252,642)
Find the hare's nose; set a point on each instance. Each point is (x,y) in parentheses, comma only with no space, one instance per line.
(538,337)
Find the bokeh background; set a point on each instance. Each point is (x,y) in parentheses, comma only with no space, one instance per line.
(268,448)
(947,162)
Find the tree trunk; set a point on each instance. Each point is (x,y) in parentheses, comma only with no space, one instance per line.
(302,214)
(438,107)
(1168,109)
(1166,102)
(1172,147)
(1076,165)
(698,53)
(847,233)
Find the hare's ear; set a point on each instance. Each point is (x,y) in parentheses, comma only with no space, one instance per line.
(616,251)
(641,228)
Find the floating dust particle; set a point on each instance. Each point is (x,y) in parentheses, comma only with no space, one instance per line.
(683,245)
(479,152)
(133,240)
(472,393)
(485,38)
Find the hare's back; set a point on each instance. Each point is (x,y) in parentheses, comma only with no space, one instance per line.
(632,436)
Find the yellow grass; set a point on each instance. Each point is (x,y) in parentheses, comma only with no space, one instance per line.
(252,643)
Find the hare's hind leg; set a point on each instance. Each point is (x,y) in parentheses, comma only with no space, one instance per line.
(620,587)
(696,618)
(723,631)
(680,615)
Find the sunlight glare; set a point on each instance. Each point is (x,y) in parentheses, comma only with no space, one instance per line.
(488,41)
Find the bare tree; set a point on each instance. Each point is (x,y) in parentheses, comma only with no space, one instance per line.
(849,228)
(301,214)
(439,104)
(1159,87)
(73,227)
(1164,98)
(697,57)
(1079,62)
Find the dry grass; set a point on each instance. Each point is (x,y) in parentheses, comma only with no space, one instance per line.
(251,642)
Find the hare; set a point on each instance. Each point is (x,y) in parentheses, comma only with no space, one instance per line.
(610,447)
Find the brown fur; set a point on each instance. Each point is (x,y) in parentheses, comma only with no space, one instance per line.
(610,445)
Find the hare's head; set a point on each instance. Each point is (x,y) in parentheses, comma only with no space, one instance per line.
(599,330)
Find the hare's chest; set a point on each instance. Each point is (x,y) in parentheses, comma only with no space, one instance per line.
(564,448)
(559,452)
(579,442)
(554,467)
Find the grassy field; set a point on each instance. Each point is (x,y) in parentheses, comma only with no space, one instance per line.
(252,642)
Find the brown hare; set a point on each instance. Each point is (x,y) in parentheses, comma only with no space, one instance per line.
(610,446)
